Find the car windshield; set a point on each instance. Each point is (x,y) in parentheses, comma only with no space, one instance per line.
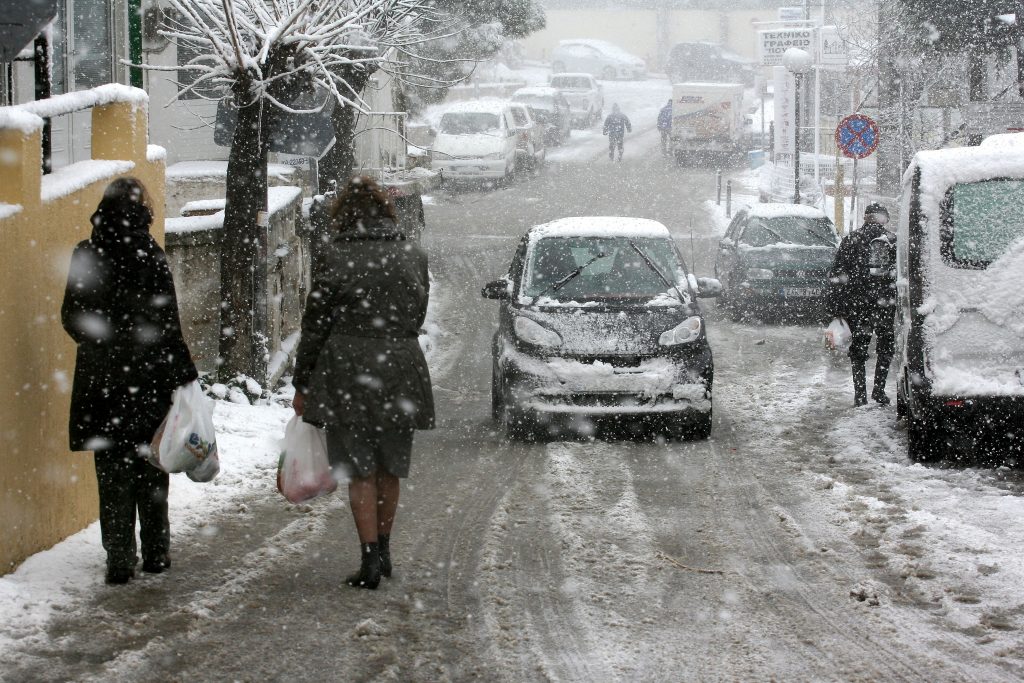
(984,223)
(799,230)
(571,82)
(467,123)
(620,274)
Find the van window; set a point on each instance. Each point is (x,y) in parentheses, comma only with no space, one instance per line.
(980,221)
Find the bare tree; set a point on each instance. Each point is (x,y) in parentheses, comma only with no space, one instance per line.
(261,54)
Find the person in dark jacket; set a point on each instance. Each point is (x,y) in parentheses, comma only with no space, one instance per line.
(862,290)
(120,308)
(665,127)
(616,125)
(359,370)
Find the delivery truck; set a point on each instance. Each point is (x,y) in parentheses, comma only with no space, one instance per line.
(707,121)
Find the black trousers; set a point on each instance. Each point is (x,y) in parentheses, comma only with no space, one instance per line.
(128,483)
(614,142)
(882,325)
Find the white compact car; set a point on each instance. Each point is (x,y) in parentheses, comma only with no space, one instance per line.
(475,140)
(598,58)
(586,99)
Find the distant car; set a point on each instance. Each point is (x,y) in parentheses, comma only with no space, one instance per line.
(475,140)
(550,108)
(775,258)
(599,319)
(530,147)
(598,58)
(709,63)
(585,96)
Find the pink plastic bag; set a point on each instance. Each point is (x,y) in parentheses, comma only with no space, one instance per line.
(303,472)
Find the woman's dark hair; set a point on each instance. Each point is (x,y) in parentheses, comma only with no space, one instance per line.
(360,199)
(124,207)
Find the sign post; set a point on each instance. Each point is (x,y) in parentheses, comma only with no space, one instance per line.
(857,138)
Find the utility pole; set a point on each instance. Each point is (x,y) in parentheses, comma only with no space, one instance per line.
(889,142)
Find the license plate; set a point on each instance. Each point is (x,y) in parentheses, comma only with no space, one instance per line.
(800,292)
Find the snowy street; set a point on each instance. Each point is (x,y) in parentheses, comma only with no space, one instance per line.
(798,543)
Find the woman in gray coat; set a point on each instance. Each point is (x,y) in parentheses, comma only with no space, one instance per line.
(360,372)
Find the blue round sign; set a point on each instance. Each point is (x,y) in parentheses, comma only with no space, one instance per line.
(857,136)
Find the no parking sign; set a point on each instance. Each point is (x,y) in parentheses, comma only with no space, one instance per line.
(857,136)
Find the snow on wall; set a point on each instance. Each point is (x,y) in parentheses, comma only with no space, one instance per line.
(25,122)
(86,99)
(186,170)
(8,210)
(76,177)
(156,153)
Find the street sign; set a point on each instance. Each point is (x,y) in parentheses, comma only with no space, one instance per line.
(773,43)
(857,136)
(785,110)
(832,48)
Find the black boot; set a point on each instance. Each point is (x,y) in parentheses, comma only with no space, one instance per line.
(368,575)
(878,390)
(384,546)
(119,575)
(157,564)
(860,385)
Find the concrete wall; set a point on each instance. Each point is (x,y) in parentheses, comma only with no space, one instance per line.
(46,492)
(637,30)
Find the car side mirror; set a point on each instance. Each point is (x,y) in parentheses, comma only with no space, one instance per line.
(497,289)
(708,288)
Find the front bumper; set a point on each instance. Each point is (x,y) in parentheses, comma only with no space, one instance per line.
(780,294)
(653,386)
(455,169)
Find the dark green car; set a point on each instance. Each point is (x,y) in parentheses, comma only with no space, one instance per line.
(774,260)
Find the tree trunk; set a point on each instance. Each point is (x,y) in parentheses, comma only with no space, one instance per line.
(245,198)
(340,160)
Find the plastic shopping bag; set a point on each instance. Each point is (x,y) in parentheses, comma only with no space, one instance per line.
(838,335)
(303,472)
(186,441)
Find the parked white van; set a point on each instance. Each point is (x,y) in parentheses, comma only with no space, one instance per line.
(960,269)
(475,140)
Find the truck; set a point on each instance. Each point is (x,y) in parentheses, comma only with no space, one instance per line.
(707,119)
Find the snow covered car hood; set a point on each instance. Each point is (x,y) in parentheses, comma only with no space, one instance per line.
(973,330)
(467,146)
(592,331)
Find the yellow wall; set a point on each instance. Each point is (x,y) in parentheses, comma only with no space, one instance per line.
(636,30)
(47,492)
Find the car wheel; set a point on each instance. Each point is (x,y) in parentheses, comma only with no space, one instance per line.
(557,67)
(700,428)
(922,444)
(608,74)
(518,425)
(497,396)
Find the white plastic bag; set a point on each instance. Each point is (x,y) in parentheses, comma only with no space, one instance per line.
(303,472)
(186,440)
(838,335)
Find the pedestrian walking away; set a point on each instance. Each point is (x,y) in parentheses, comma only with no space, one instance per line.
(120,308)
(615,127)
(359,370)
(862,290)
(665,128)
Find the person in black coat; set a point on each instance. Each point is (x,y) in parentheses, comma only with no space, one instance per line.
(616,125)
(121,310)
(359,368)
(862,291)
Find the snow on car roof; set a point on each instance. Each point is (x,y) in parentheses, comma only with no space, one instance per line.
(599,226)
(489,105)
(779,210)
(536,91)
(596,43)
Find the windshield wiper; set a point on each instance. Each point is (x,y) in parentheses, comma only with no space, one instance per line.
(821,237)
(563,281)
(650,264)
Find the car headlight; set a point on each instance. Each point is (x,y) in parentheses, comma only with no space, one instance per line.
(759,274)
(532,332)
(683,333)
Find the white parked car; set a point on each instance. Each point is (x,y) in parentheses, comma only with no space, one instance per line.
(530,148)
(586,99)
(475,140)
(598,58)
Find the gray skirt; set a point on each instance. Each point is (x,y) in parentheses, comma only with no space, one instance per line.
(360,453)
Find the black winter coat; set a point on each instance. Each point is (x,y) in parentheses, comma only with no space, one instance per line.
(616,125)
(854,293)
(120,308)
(359,360)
